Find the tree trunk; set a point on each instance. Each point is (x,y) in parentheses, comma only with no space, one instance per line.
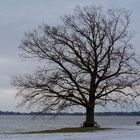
(89,118)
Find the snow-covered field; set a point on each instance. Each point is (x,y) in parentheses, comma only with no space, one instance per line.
(131,133)
(124,128)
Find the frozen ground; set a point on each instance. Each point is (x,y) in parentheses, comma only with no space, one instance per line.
(123,133)
(125,128)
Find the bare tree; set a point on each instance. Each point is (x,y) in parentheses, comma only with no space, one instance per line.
(89,61)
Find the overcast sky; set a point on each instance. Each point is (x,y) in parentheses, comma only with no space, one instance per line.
(18,16)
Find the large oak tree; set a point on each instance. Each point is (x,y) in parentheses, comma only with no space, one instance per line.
(89,60)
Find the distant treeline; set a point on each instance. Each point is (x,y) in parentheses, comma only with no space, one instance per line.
(118,114)
(73,114)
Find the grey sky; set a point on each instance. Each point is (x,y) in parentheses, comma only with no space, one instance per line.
(18,16)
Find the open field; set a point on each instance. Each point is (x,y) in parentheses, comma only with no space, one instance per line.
(68,130)
(124,128)
(126,133)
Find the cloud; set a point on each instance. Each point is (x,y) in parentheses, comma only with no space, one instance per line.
(20,16)
(7,100)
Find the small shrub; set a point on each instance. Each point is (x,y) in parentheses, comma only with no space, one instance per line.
(138,123)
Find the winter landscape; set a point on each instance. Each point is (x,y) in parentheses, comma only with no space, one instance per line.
(124,128)
(124,134)
(78,59)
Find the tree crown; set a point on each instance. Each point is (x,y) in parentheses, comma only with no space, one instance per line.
(90,60)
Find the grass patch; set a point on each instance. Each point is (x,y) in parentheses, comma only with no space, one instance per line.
(68,130)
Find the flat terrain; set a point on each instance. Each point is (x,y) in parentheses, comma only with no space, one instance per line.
(68,130)
(122,133)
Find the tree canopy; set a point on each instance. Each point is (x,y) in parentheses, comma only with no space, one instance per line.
(88,60)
